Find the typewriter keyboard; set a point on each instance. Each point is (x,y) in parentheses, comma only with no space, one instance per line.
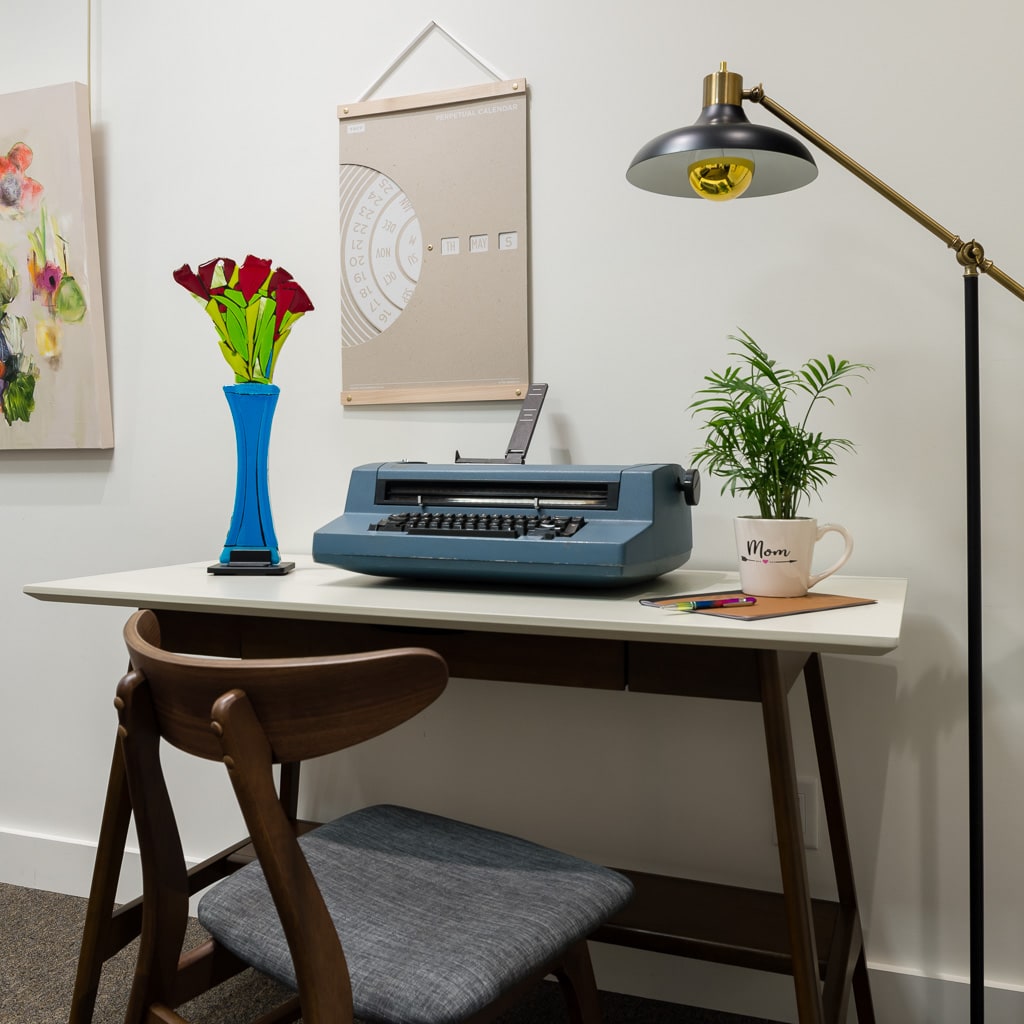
(468,524)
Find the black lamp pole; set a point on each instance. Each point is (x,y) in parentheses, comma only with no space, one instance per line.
(711,159)
(975,726)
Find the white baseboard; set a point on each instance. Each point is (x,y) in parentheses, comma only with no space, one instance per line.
(59,864)
(901,995)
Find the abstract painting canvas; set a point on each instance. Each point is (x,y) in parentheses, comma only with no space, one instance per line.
(54,385)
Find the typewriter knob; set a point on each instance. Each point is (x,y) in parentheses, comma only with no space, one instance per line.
(689,484)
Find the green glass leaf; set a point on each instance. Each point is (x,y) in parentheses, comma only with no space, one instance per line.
(252,314)
(235,361)
(217,317)
(238,332)
(264,338)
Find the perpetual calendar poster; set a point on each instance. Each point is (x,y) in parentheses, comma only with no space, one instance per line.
(434,247)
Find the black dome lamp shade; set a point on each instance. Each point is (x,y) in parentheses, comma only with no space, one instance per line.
(722,155)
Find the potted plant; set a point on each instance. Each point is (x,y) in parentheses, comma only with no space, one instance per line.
(758,440)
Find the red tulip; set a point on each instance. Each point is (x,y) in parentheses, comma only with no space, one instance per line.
(251,276)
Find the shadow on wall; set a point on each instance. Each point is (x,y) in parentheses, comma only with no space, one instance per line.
(862,696)
(930,710)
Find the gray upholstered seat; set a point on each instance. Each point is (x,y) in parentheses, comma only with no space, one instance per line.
(437,917)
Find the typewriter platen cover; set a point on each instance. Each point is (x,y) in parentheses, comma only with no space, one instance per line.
(562,524)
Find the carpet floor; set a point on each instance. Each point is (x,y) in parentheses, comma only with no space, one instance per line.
(40,933)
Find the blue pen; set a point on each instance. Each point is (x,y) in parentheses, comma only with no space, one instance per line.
(718,602)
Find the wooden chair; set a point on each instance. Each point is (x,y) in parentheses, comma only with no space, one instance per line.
(385,914)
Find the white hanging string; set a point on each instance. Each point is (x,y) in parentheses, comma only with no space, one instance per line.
(432,26)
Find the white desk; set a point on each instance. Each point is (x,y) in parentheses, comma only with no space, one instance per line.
(321,592)
(600,639)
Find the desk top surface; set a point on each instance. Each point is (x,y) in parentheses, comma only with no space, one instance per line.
(315,591)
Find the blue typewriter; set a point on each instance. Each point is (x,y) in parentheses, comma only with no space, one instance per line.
(568,525)
(498,520)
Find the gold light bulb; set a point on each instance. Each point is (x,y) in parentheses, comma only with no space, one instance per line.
(721,178)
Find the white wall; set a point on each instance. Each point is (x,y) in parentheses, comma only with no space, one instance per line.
(215,134)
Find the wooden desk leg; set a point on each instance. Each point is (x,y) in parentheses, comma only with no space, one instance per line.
(795,888)
(828,771)
(96,935)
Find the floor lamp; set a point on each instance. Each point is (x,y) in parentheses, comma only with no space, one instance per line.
(723,156)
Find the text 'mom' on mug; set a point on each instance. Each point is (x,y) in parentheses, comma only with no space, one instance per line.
(776,555)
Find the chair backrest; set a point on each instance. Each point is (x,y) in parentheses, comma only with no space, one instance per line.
(249,713)
(307,706)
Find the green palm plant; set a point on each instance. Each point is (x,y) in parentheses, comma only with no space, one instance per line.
(751,439)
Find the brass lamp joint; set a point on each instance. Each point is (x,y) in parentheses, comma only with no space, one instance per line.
(723,86)
(971,256)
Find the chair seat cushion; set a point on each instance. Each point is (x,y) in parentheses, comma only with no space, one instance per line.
(436,917)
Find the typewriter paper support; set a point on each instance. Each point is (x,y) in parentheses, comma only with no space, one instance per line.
(522,433)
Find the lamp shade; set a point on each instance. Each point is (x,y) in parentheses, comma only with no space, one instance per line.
(722,155)
(723,133)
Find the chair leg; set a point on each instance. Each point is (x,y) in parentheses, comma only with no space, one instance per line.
(97,933)
(862,991)
(575,976)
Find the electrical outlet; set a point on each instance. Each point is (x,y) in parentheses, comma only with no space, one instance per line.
(807,794)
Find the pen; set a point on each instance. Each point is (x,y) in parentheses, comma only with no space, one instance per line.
(719,602)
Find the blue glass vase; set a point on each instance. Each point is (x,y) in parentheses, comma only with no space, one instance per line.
(251,536)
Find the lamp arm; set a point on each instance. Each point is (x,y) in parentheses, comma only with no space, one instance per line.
(970,255)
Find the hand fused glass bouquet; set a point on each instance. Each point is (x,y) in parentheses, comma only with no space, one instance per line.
(253,308)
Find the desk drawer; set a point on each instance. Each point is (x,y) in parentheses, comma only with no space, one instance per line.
(471,654)
(725,673)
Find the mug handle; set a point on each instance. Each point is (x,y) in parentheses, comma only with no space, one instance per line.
(832,528)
